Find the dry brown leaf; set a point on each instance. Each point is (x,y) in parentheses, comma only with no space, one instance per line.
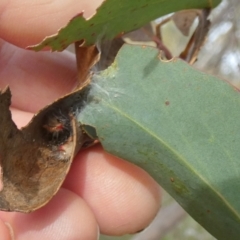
(35,160)
(86,58)
(198,38)
(184,20)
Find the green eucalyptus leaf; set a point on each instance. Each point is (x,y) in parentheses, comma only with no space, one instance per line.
(116,17)
(180,125)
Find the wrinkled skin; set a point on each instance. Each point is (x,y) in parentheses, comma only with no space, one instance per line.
(101,192)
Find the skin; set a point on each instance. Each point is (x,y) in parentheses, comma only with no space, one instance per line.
(101,192)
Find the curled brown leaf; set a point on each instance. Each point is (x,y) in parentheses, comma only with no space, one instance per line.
(35,160)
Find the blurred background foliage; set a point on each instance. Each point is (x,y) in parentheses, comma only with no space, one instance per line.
(220,55)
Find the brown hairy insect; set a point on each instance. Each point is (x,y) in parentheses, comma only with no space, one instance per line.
(57,127)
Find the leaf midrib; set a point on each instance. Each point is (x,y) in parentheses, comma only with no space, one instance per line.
(224,200)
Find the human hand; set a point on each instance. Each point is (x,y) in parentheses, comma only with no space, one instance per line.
(101,192)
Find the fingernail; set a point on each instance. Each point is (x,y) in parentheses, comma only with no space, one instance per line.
(10,230)
(98,233)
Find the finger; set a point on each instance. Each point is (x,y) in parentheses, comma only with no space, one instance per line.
(123,197)
(21,118)
(66,216)
(35,79)
(4,231)
(27,22)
